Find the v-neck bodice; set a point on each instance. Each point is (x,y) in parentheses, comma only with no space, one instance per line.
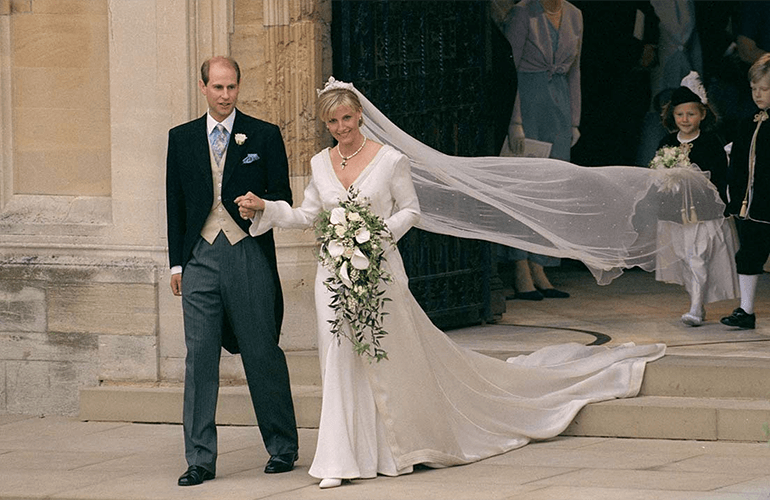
(361,175)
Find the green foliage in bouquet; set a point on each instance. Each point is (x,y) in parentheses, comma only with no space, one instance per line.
(353,241)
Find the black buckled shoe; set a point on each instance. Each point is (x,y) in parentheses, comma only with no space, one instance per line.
(195,474)
(740,319)
(281,463)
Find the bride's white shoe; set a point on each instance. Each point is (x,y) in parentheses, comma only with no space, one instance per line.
(330,482)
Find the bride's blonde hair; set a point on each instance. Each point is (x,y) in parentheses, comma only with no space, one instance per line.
(332,99)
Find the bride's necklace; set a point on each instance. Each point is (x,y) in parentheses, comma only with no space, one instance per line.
(346,158)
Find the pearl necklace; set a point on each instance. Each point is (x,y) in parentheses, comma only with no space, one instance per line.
(346,158)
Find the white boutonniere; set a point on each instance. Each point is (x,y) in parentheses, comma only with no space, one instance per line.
(240,139)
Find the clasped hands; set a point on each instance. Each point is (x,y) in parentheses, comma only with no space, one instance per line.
(249,204)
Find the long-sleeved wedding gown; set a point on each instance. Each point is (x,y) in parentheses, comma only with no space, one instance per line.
(432,401)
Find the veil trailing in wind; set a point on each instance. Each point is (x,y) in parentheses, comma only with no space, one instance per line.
(605,217)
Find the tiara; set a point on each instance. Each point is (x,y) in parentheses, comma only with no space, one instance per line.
(334,84)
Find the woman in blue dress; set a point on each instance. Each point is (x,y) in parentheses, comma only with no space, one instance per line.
(546,38)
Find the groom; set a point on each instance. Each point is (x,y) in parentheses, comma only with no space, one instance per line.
(227,279)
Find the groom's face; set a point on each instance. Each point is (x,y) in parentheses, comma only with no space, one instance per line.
(221,91)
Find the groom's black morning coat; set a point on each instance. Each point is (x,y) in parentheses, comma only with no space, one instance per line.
(190,195)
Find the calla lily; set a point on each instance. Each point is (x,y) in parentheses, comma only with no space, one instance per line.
(337,216)
(344,275)
(362,235)
(359,260)
(335,248)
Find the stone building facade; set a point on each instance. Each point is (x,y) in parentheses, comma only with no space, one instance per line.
(88,91)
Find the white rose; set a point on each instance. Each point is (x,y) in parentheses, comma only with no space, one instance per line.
(339,230)
(240,139)
(354,216)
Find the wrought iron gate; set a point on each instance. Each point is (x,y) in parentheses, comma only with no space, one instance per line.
(428,66)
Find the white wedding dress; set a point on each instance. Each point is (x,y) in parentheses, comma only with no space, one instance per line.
(433,402)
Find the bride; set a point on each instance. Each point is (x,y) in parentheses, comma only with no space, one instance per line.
(431,401)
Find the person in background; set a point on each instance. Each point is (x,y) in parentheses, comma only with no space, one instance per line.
(678,52)
(546,38)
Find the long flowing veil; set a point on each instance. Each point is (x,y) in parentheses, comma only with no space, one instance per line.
(605,217)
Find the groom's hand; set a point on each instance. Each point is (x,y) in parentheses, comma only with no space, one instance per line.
(249,204)
(176,284)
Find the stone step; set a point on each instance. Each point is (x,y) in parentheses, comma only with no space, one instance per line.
(304,368)
(664,417)
(146,404)
(708,377)
(659,417)
(682,397)
(698,376)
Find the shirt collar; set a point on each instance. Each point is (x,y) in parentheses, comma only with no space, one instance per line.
(227,122)
(684,141)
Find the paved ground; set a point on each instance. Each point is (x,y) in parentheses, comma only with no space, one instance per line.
(65,459)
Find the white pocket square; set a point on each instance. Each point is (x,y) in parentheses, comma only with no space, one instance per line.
(252,157)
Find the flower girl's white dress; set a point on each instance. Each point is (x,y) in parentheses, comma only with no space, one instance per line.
(434,402)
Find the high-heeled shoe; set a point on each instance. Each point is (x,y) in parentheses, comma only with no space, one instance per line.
(329,482)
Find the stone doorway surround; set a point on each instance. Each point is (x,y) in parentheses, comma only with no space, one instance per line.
(84,296)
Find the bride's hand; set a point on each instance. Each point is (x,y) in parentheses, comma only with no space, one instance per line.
(249,204)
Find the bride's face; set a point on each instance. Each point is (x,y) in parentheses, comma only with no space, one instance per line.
(343,125)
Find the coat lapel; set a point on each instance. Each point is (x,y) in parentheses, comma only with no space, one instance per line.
(538,26)
(200,148)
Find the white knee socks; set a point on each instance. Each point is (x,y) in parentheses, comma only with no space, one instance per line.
(748,284)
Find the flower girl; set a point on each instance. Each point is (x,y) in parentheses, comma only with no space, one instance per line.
(695,254)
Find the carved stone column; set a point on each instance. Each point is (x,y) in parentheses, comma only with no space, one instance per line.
(284,50)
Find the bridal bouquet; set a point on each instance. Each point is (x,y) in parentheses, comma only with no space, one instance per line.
(676,171)
(352,241)
(672,157)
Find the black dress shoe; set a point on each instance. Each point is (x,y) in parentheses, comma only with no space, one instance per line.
(552,293)
(740,319)
(281,463)
(195,474)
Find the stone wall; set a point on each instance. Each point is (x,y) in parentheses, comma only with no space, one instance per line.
(88,91)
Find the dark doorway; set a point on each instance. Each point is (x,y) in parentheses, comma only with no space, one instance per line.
(429,66)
